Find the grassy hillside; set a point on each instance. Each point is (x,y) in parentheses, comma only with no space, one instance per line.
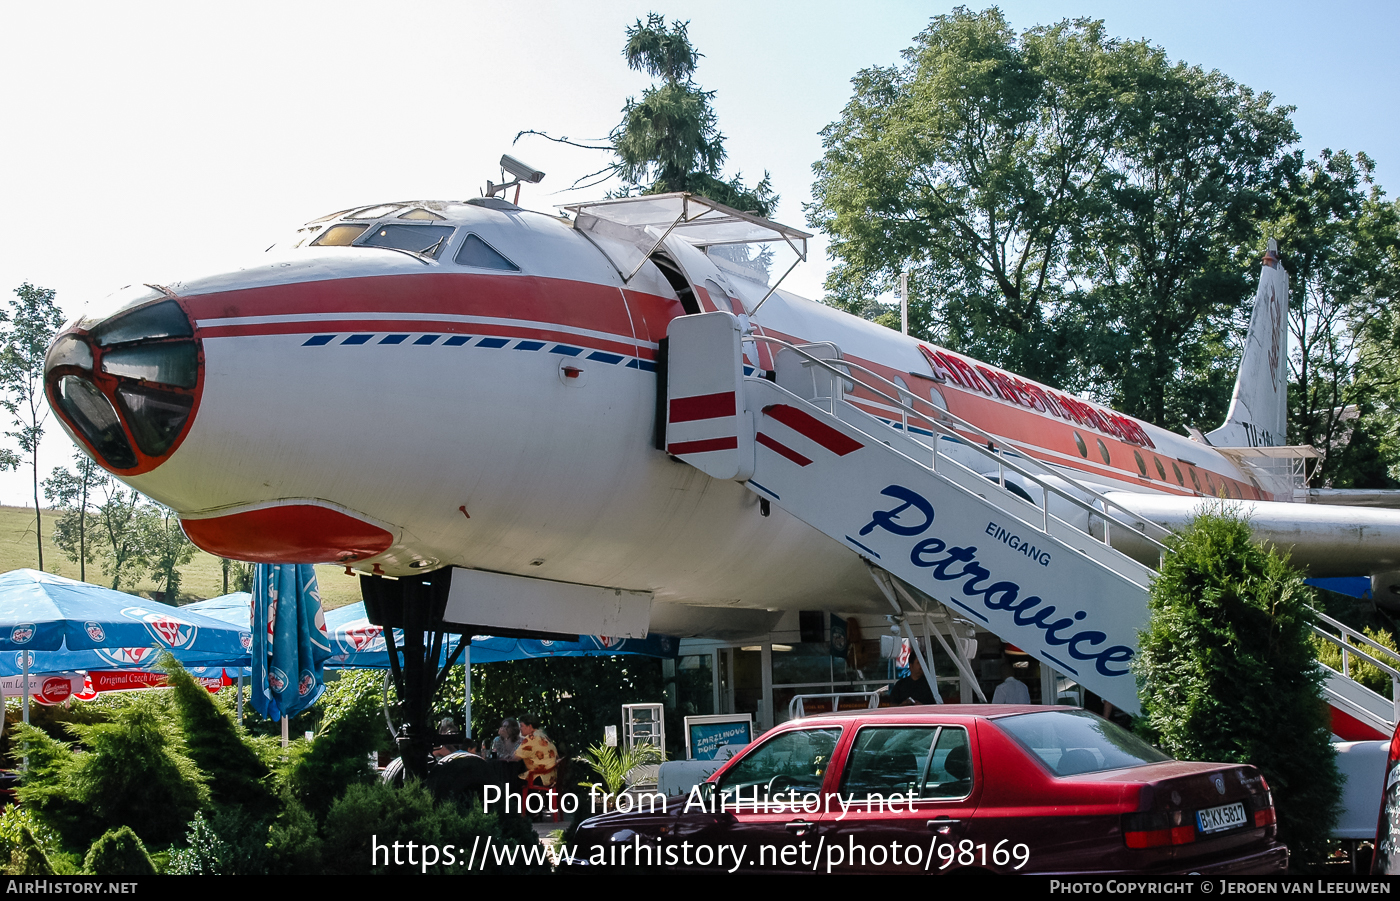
(202,576)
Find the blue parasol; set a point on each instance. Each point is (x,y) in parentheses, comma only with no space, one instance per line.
(357,644)
(290,645)
(62,624)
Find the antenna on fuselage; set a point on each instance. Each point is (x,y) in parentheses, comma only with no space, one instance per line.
(522,172)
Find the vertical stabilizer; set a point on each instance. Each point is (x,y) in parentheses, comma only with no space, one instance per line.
(1259,408)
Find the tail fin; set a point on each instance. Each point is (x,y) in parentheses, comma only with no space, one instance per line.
(1259,408)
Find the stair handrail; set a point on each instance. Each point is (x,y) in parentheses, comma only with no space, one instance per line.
(1000,458)
(1348,649)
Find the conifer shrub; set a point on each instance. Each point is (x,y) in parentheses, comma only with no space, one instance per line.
(1227,672)
(219,747)
(230,842)
(134,772)
(338,757)
(294,842)
(377,815)
(20,835)
(27,856)
(119,852)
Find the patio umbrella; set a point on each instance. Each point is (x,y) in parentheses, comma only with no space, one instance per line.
(290,645)
(49,624)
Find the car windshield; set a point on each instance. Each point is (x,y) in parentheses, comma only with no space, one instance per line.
(793,760)
(1070,742)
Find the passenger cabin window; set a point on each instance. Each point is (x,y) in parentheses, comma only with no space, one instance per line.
(427,240)
(476,252)
(932,762)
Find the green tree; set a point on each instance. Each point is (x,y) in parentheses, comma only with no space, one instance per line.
(1193,170)
(73,492)
(167,548)
(1227,672)
(1340,242)
(238,576)
(30,326)
(1067,205)
(972,166)
(669,139)
(573,696)
(119,519)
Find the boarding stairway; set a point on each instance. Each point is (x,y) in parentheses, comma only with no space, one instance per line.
(939,509)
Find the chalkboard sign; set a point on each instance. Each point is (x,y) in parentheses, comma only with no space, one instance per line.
(704,735)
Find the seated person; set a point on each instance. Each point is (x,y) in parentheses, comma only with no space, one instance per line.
(538,753)
(460,772)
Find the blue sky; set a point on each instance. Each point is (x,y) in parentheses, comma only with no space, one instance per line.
(146,141)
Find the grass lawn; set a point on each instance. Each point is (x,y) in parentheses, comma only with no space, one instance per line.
(202,577)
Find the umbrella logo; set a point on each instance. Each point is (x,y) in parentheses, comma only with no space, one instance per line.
(276,679)
(306,683)
(363,637)
(610,642)
(22,657)
(168,630)
(22,633)
(55,690)
(246,640)
(87,692)
(125,657)
(94,631)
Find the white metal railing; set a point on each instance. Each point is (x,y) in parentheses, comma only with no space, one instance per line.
(1344,642)
(841,369)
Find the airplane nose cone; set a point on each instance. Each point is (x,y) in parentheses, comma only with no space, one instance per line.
(126,386)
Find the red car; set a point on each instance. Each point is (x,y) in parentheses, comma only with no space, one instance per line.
(1385,860)
(997,788)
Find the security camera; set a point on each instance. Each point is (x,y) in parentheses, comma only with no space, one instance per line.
(521,170)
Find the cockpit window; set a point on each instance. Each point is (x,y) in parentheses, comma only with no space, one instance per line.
(476,252)
(425,239)
(375,212)
(328,218)
(420,213)
(339,236)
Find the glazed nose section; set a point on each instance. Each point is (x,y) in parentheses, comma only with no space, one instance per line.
(127,386)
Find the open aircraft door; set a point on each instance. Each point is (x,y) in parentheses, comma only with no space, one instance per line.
(673,231)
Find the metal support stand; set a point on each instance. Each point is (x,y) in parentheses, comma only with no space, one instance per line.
(413,606)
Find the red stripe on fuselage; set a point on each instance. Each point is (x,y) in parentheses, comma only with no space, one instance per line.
(702,406)
(550,302)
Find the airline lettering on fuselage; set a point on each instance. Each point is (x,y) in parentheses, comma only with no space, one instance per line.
(954,564)
(949,367)
(1016,543)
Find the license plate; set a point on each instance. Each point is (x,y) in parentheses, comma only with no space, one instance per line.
(1218,819)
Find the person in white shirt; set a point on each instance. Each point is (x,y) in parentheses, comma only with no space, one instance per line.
(1012,691)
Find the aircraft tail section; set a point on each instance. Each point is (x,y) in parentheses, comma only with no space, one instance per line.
(1258,414)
